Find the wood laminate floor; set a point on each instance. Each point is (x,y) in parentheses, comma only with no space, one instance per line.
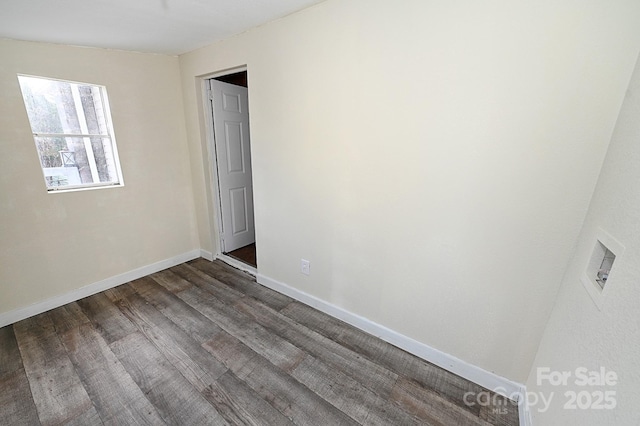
(202,343)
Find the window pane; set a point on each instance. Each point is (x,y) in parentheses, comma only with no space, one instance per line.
(57,162)
(82,160)
(63,107)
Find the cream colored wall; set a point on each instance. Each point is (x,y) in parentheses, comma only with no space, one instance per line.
(578,333)
(433,160)
(51,244)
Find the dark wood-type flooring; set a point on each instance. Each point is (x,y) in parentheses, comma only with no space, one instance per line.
(246,254)
(202,343)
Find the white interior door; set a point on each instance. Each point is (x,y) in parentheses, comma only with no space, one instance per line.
(233,158)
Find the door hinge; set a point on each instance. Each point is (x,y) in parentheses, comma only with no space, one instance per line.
(210,93)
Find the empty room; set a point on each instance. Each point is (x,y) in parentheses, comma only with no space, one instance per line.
(320,212)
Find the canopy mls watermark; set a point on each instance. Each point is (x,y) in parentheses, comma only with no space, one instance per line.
(587,390)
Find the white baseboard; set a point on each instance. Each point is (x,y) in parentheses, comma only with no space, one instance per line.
(450,363)
(206,255)
(19,314)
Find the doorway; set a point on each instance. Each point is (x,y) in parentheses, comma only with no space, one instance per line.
(229,106)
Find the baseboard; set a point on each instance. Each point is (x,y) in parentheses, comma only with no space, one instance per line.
(450,363)
(206,255)
(46,305)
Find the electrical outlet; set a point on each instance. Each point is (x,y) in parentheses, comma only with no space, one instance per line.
(305,266)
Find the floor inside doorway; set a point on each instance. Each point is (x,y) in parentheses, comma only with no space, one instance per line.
(246,254)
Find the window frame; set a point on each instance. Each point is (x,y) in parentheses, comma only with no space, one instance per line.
(110,135)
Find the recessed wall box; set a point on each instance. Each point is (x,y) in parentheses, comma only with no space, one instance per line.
(601,265)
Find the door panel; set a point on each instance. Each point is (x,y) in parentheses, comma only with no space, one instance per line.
(231,102)
(233,158)
(239,211)
(235,147)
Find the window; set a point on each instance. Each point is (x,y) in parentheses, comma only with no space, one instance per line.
(71,126)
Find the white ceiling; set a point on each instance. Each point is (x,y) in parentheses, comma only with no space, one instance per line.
(160,26)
